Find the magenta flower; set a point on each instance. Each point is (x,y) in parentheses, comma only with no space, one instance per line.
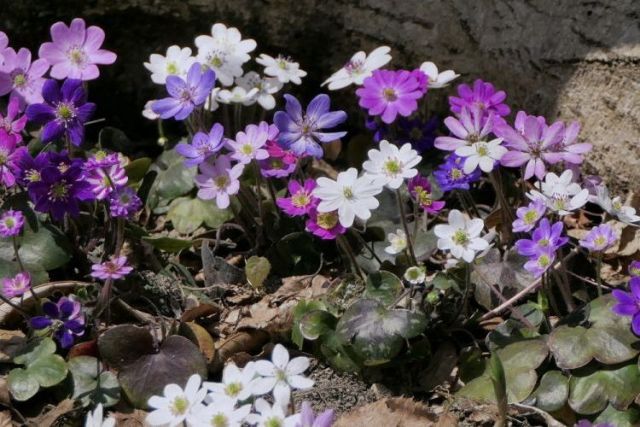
(218,180)
(532,142)
(185,95)
(569,149)
(470,127)
(115,268)
(629,303)
(300,200)
(64,111)
(483,95)
(420,190)
(325,225)
(104,180)
(101,159)
(599,238)
(75,51)
(10,155)
(11,223)
(65,318)
(249,144)
(280,163)
(124,202)
(11,123)
(529,215)
(634,268)
(545,238)
(17,285)
(4,41)
(388,93)
(21,77)
(202,146)
(309,419)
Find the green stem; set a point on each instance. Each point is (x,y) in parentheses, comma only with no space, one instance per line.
(369,249)
(15,251)
(598,267)
(346,247)
(403,217)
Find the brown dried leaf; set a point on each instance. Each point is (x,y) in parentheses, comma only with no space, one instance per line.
(389,412)
(5,397)
(199,336)
(439,369)
(49,418)
(202,310)
(11,342)
(132,419)
(249,341)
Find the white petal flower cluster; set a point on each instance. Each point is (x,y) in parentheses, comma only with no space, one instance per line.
(560,193)
(359,67)
(437,79)
(282,68)
(397,242)
(614,207)
(390,165)
(176,62)
(461,236)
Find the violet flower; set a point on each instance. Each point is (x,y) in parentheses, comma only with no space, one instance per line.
(540,262)
(249,143)
(419,133)
(11,123)
(17,285)
(11,223)
(451,176)
(529,215)
(280,164)
(65,319)
(301,132)
(10,154)
(115,268)
(219,180)
(482,95)
(634,268)
(104,180)
(300,200)
(75,51)
(569,149)
(599,238)
(185,95)
(545,238)
(64,111)
(629,303)
(325,225)
(202,146)
(309,419)
(388,93)
(124,202)
(22,78)
(420,190)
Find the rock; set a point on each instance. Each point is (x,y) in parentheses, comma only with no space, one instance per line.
(576,60)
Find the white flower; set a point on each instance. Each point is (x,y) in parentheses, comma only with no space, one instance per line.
(436,79)
(483,154)
(95,418)
(349,195)
(237,95)
(176,63)
(614,206)
(560,193)
(281,374)
(461,236)
(415,275)
(272,416)
(148,112)
(283,68)
(221,413)
(176,405)
(391,165)
(225,52)
(235,385)
(266,88)
(359,67)
(397,242)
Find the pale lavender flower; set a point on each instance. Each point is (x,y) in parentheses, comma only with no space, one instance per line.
(185,95)
(17,285)
(467,129)
(528,216)
(124,202)
(309,419)
(202,146)
(571,150)
(219,180)
(600,238)
(22,77)
(11,223)
(250,144)
(115,268)
(540,262)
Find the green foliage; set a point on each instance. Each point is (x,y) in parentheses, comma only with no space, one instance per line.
(257,270)
(592,388)
(92,384)
(172,181)
(187,214)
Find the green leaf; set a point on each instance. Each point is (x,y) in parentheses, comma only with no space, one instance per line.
(591,389)
(45,249)
(187,214)
(22,385)
(628,418)
(303,307)
(122,345)
(383,286)
(317,323)
(92,385)
(257,270)
(137,169)
(173,179)
(36,350)
(553,391)
(168,244)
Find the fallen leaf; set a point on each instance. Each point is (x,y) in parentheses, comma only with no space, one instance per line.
(389,412)
(199,336)
(248,341)
(49,418)
(11,342)
(132,419)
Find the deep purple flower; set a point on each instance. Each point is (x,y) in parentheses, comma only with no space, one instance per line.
(300,200)
(302,132)
(599,238)
(325,225)
(309,419)
(419,133)
(64,111)
(450,175)
(545,238)
(11,123)
(10,154)
(634,268)
(101,159)
(115,268)
(540,262)
(483,95)
(11,223)
(75,51)
(104,180)
(280,163)
(124,202)
(21,77)
(529,215)
(420,190)
(29,169)
(185,95)
(17,285)
(65,319)
(202,146)
(629,303)
(532,141)
(388,93)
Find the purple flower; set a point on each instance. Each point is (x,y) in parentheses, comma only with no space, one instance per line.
(65,319)
(300,200)
(249,144)
(483,95)
(29,169)
(600,238)
(470,127)
(11,123)
(545,238)
(11,223)
(309,419)
(280,164)
(101,159)
(17,285)
(21,77)
(302,132)
(532,142)
(388,93)
(218,180)
(75,51)
(420,190)
(569,149)
(124,202)
(419,133)
(529,215)
(634,268)
(64,111)
(104,180)
(202,146)
(587,423)
(540,262)
(450,175)
(325,225)
(629,303)
(185,95)
(10,155)
(116,268)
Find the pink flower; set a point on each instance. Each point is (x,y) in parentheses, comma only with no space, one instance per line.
(571,150)
(218,180)
(75,51)
(249,144)
(21,77)
(11,223)
(482,95)
(325,225)
(470,127)
(300,200)
(420,190)
(389,93)
(115,269)
(11,123)
(17,285)
(10,155)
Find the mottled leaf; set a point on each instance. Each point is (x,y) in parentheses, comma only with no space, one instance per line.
(383,286)
(591,389)
(553,391)
(91,384)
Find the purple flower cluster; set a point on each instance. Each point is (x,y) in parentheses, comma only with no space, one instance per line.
(451,176)
(64,319)
(541,249)
(482,95)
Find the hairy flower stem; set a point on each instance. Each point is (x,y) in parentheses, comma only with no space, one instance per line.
(403,217)
(15,251)
(565,285)
(496,180)
(346,247)
(598,268)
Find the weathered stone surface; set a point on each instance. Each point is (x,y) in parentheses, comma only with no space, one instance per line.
(569,58)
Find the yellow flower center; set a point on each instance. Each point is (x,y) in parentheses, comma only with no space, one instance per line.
(456,173)
(59,191)
(348,193)
(179,405)
(389,94)
(300,200)
(64,112)
(247,149)
(600,241)
(221,181)
(172,68)
(76,56)
(273,422)
(530,217)
(461,237)
(19,80)
(233,389)
(544,260)
(219,420)
(393,167)
(327,220)
(482,150)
